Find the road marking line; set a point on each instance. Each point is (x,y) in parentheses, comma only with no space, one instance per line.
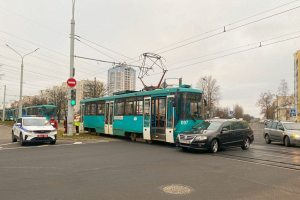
(77,142)
(5,144)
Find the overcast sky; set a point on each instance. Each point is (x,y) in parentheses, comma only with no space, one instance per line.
(131,27)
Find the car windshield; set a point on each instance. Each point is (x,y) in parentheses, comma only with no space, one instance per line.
(292,126)
(206,125)
(36,122)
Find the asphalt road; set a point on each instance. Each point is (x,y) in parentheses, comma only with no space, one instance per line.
(121,169)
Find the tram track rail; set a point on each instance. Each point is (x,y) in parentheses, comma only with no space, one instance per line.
(269,162)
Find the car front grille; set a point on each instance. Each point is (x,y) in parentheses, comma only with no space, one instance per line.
(186,137)
(41,132)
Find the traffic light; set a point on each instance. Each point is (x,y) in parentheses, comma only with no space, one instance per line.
(73,97)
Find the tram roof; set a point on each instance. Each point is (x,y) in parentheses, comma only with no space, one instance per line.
(37,106)
(145,93)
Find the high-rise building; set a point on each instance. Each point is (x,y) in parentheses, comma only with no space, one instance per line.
(120,78)
(296,83)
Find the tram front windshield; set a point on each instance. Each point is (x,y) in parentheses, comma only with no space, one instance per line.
(50,111)
(190,106)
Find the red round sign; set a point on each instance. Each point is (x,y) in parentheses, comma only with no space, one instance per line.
(71,82)
(211,103)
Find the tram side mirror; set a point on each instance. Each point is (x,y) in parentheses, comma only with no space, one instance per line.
(205,102)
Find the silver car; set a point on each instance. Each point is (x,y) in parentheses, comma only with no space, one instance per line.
(286,132)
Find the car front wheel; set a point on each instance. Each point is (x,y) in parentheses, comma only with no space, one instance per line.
(21,140)
(13,139)
(246,143)
(53,142)
(214,146)
(267,139)
(287,142)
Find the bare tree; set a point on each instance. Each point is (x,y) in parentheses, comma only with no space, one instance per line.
(58,97)
(222,112)
(247,117)
(210,89)
(35,101)
(286,100)
(265,102)
(94,89)
(238,111)
(283,88)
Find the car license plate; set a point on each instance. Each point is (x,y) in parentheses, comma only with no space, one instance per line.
(185,141)
(42,136)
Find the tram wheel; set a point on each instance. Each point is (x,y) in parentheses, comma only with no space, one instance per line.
(133,137)
(149,141)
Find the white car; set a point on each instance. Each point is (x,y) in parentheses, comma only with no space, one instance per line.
(33,129)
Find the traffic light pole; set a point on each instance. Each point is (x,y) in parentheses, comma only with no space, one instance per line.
(70,118)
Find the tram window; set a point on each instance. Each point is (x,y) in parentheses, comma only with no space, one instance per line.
(93,109)
(139,107)
(100,108)
(119,109)
(130,105)
(87,109)
(194,108)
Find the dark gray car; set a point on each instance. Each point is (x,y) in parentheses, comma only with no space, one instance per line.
(213,134)
(287,133)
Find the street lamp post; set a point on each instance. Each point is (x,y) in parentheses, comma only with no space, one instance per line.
(21,82)
(70,118)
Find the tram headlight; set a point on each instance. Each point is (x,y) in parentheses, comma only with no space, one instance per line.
(201,138)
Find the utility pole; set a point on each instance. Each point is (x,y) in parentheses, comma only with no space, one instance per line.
(21,82)
(3,114)
(70,118)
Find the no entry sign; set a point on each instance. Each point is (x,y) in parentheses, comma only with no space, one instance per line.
(71,82)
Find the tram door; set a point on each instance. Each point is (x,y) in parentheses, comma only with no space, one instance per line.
(147,119)
(170,119)
(109,115)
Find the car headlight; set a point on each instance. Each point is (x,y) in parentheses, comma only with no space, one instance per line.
(296,136)
(201,138)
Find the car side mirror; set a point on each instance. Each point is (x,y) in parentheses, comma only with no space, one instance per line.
(18,124)
(224,130)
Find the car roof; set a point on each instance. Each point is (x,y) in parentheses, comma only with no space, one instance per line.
(223,120)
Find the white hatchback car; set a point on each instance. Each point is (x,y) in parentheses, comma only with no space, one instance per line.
(33,129)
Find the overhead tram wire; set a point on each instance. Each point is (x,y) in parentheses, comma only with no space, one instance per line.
(230,54)
(226,25)
(230,29)
(232,48)
(16,72)
(52,62)
(60,32)
(44,47)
